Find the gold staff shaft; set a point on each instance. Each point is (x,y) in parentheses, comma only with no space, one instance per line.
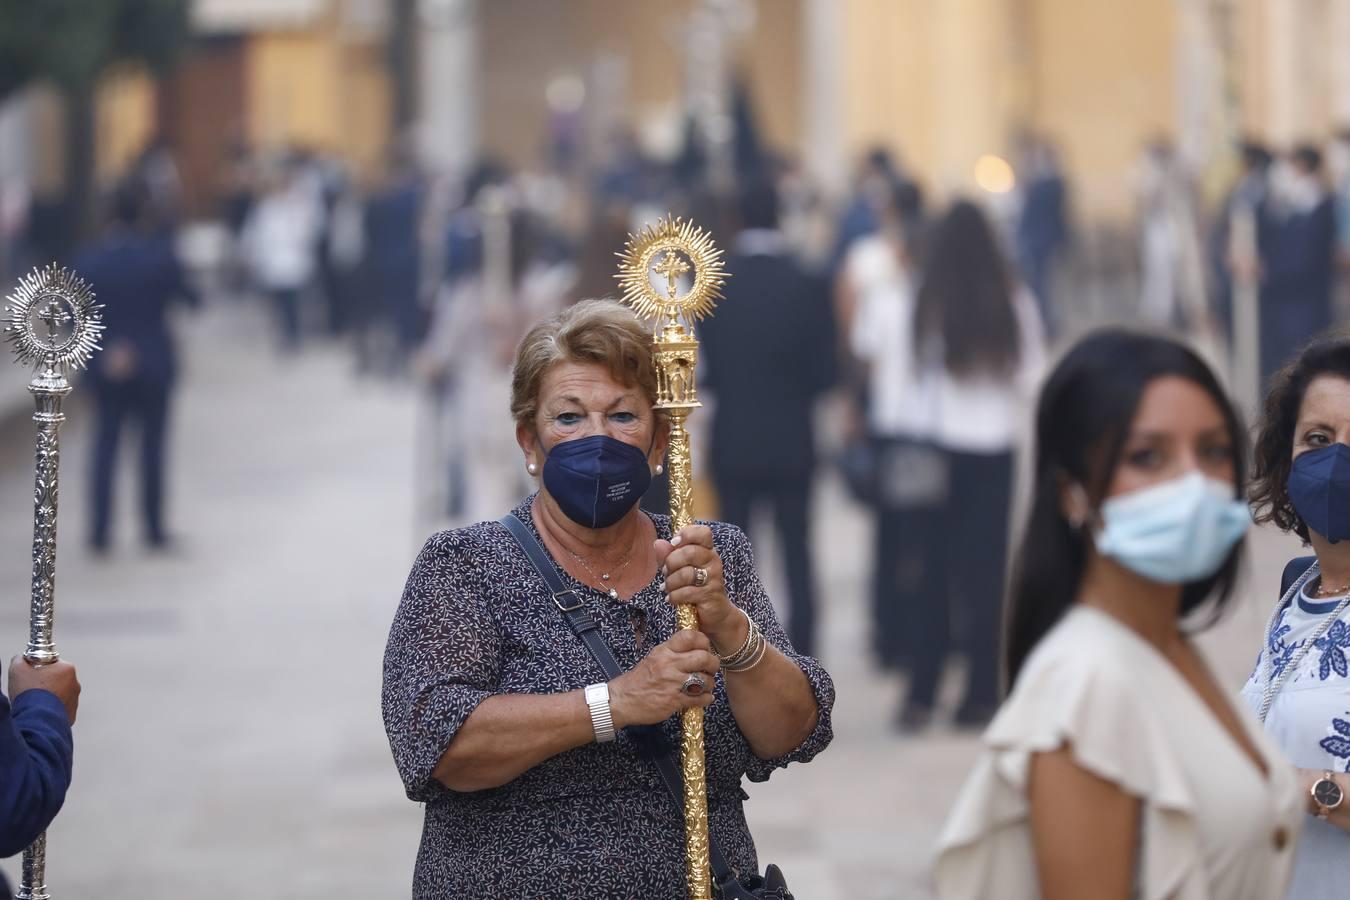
(697,865)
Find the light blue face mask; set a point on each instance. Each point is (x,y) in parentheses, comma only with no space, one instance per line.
(1175,532)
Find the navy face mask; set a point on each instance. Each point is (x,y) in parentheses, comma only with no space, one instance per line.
(596,480)
(1319,489)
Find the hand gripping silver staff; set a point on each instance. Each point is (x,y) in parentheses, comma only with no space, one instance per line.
(53,324)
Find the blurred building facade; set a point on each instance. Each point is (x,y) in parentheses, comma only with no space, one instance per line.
(941,83)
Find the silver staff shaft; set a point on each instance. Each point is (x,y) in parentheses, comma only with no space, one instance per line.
(53,323)
(48,389)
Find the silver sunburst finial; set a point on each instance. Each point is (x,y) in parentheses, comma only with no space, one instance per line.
(51,319)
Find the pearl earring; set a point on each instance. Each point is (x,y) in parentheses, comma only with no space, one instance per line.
(660,469)
(532,468)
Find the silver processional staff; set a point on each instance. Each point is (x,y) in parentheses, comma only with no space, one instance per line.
(53,324)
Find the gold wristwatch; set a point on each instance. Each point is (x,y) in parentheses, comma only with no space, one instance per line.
(1326,794)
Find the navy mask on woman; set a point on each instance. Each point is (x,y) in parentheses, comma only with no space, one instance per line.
(596,480)
(1319,488)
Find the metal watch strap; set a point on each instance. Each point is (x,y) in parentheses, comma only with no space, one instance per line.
(583,624)
(602,719)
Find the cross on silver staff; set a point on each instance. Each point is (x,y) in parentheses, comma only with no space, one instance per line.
(55,297)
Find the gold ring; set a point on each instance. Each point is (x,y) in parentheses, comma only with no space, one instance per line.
(700,577)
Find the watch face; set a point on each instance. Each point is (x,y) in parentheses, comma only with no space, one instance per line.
(1327,793)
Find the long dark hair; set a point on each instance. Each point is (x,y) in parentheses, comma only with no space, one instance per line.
(966,297)
(1082,422)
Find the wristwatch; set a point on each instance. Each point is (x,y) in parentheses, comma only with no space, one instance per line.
(1326,794)
(602,720)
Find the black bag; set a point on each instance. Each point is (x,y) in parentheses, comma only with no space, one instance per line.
(727,882)
(895,472)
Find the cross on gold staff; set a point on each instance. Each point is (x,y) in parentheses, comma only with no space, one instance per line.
(671,266)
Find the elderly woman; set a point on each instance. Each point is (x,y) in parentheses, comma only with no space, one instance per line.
(1301,684)
(532,772)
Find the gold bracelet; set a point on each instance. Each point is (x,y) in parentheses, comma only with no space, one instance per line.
(754,652)
(749,635)
(757,655)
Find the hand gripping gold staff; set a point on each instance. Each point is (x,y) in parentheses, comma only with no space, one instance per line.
(53,324)
(669,249)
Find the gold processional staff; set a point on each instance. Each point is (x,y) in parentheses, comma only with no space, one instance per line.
(54,324)
(670,249)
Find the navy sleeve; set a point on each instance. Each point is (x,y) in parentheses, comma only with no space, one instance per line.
(36,753)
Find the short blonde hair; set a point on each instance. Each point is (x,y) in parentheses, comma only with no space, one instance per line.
(604,332)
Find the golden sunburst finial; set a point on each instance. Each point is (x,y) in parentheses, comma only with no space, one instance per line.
(52,319)
(669,249)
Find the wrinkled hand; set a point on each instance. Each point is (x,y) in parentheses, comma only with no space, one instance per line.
(681,558)
(651,691)
(58,677)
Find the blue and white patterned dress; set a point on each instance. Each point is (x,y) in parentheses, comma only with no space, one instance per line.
(1310,721)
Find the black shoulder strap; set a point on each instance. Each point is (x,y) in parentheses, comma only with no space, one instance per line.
(1293,570)
(582,623)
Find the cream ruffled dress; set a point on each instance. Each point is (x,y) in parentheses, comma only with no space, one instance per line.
(1214,828)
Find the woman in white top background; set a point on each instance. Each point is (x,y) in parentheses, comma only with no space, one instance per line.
(879,276)
(975,350)
(1301,684)
(1118,767)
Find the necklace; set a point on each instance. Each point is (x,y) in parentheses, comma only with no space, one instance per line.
(1273,687)
(605,577)
(1322,591)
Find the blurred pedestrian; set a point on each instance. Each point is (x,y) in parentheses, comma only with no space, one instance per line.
(36,751)
(1297,241)
(135,270)
(1171,264)
(770,355)
(1118,767)
(977,348)
(1233,245)
(1042,223)
(1301,685)
(888,423)
(877,178)
(394,249)
(282,241)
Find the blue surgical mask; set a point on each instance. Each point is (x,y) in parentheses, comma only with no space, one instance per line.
(596,480)
(1175,532)
(1319,489)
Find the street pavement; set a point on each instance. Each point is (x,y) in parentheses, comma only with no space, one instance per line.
(229,742)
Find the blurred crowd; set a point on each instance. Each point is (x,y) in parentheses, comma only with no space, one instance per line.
(891,337)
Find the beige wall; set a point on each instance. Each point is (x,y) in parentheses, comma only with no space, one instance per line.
(1103,82)
(312,88)
(944,83)
(524,44)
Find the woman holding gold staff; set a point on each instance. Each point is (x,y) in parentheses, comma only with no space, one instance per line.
(530,761)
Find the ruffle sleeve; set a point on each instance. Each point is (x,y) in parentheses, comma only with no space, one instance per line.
(746,591)
(986,849)
(442,660)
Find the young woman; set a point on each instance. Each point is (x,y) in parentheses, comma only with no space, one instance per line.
(1118,768)
(976,351)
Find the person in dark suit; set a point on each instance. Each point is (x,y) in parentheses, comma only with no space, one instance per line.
(136,275)
(770,354)
(1296,238)
(1042,224)
(36,751)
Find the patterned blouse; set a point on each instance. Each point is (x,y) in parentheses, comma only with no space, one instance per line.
(476,620)
(1310,719)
